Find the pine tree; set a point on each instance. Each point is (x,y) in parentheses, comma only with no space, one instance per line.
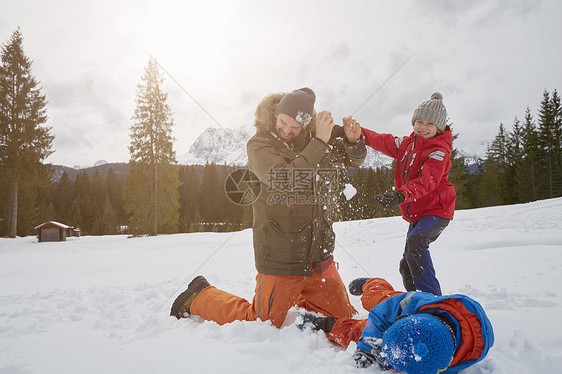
(98,195)
(459,177)
(547,143)
(24,141)
(384,183)
(107,221)
(84,216)
(46,211)
(75,215)
(62,198)
(372,187)
(389,185)
(557,142)
(474,185)
(493,188)
(45,195)
(28,208)
(209,205)
(188,193)
(98,190)
(514,150)
(114,191)
(527,174)
(196,225)
(227,207)
(232,213)
(151,194)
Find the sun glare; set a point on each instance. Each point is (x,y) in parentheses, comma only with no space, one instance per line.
(186,35)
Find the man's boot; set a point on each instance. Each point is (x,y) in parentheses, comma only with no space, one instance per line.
(183,301)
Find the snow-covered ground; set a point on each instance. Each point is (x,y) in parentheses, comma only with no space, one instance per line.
(101,304)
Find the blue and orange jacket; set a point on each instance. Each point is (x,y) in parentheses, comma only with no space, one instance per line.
(474,333)
(422,172)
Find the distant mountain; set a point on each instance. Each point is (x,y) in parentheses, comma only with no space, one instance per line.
(228,146)
(97,163)
(218,146)
(100,163)
(472,162)
(376,159)
(121,170)
(222,146)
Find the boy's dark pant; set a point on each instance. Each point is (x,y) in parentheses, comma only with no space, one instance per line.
(416,266)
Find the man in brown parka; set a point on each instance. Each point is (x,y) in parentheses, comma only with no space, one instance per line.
(296,160)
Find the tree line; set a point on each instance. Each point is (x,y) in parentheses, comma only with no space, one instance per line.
(95,203)
(522,164)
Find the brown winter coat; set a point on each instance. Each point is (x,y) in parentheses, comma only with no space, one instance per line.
(293,215)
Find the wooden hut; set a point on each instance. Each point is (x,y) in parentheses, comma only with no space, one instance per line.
(53,231)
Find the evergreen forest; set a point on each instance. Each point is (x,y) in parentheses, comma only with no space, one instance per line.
(152,194)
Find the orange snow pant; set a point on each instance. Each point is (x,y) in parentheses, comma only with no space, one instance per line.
(346,330)
(274,295)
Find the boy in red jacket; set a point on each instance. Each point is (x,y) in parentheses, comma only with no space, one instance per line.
(425,195)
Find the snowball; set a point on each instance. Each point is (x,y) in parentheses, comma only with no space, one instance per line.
(349,191)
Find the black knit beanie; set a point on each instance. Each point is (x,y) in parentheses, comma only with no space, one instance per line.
(299,104)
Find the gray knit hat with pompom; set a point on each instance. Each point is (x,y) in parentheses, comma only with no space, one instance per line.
(433,111)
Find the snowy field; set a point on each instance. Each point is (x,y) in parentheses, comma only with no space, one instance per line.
(101,304)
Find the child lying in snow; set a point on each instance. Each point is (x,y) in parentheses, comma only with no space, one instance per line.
(413,332)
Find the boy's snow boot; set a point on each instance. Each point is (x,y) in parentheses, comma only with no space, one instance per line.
(407,278)
(315,323)
(356,286)
(184,300)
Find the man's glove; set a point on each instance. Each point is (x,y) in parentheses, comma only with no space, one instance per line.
(337,132)
(363,358)
(389,200)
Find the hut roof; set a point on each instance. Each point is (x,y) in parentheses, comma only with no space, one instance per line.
(52,223)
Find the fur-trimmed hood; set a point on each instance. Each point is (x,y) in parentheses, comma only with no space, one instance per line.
(265,117)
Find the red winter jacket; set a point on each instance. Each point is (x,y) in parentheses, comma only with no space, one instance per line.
(422,171)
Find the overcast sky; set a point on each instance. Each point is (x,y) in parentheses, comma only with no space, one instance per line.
(490,59)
